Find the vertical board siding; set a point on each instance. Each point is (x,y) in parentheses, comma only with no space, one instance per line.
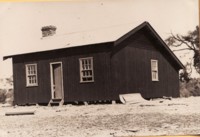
(44,87)
(118,66)
(131,66)
(97,90)
(73,89)
(20,96)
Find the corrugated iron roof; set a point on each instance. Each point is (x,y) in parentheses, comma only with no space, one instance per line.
(83,38)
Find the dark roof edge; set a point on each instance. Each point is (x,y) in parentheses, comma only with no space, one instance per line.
(10,56)
(146,24)
(7,57)
(130,33)
(166,46)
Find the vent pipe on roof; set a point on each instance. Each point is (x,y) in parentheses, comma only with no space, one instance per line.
(48,31)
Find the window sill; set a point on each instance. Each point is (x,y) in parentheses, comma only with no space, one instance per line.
(87,81)
(29,86)
(155,80)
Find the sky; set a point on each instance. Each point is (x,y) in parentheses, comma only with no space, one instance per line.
(90,21)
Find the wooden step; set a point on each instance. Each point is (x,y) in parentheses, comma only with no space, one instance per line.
(56,102)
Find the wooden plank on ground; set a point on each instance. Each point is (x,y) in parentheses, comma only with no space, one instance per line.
(131,98)
(20,113)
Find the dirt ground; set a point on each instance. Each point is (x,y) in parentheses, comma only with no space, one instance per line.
(158,117)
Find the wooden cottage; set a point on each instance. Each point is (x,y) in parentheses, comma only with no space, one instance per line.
(137,62)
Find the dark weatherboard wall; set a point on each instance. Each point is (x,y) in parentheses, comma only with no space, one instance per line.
(131,68)
(73,89)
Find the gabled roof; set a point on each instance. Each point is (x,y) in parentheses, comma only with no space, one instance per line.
(155,34)
(65,38)
(116,42)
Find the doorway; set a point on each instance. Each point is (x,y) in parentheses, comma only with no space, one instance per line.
(56,80)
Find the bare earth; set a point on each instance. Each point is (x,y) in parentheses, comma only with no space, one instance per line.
(159,117)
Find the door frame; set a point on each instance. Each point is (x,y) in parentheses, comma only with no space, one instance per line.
(51,77)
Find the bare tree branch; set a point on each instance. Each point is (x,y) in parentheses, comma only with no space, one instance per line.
(182,49)
(177,37)
(188,42)
(177,45)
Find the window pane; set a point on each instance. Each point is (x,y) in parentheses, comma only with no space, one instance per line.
(33,71)
(91,72)
(89,78)
(83,67)
(154,65)
(31,68)
(34,68)
(82,62)
(34,79)
(89,66)
(154,75)
(84,73)
(85,62)
(29,79)
(28,70)
(84,79)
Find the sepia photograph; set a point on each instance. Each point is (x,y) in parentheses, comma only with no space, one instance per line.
(99,68)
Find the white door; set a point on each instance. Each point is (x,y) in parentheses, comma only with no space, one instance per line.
(56,80)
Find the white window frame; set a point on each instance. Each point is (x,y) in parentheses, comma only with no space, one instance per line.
(28,75)
(154,70)
(88,68)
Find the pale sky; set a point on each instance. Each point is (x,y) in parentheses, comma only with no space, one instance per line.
(90,21)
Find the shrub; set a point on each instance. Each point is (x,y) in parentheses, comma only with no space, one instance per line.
(9,96)
(184,93)
(2,96)
(191,88)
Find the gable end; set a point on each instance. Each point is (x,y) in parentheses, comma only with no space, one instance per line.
(155,35)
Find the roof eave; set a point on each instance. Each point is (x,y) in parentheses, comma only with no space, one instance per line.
(11,56)
(7,57)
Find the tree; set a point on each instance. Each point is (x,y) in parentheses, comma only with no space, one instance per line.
(185,74)
(188,42)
